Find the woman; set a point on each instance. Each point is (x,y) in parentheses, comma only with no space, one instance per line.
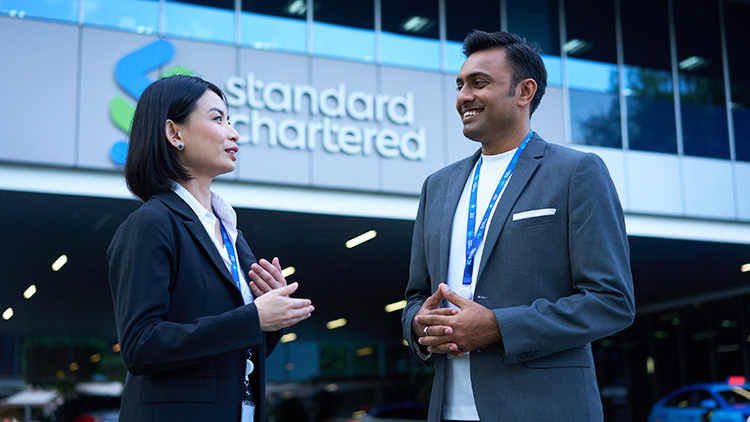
(192,327)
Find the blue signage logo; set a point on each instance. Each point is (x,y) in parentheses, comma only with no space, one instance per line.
(131,74)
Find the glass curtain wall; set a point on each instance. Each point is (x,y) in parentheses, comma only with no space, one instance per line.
(274,25)
(592,73)
(58,10)
(206,20)
(648,90)
(141,16)
(343,30)
(736,18)
(702,101)
(411,34)
(539,21)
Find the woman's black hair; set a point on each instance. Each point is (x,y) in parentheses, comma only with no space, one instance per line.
(152,163)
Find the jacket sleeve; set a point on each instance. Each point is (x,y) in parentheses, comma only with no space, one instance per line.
(142,258)
(419,286)
(602,301)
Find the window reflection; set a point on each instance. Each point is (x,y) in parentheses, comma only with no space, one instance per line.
(736,17)
(649,90)
(701,84)
(274,25)
(141,16)
(202,20)
(460,20)
(592,73)
(60,10)
(340,30)
(539,21)
(410,34)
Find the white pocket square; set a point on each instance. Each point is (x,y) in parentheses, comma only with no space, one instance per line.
(534,213)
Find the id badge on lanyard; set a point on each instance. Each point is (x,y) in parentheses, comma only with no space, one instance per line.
(248,405)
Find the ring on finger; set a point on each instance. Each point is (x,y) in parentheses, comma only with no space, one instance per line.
(425,331)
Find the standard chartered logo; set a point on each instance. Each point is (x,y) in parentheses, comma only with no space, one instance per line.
(328,108)
(336,121)
(131,74)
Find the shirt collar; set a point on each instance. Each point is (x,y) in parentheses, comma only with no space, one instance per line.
(223,210)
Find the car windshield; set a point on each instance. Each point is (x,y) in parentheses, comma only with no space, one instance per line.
(737,396)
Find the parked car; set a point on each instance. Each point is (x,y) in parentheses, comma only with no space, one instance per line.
(707,402)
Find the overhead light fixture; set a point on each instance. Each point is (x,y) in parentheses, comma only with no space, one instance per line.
(74,366)
(95,358)
(62,260)
(286,338)
(362,238)
(330,388)
(576,46)
(286,272)
(116,348)
(395,306)
(365,351)
(650,366)
(693,63)
(8,314)
(296,7)
(406,343)
(30,291)
(745,268)
(415,24)
(336,323)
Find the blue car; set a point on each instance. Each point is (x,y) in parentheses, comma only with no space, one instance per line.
(707,402)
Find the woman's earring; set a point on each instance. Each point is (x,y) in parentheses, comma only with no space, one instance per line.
(180,147)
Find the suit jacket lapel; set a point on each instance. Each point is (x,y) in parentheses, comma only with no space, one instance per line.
(452,195)
(195,227)
(527,163)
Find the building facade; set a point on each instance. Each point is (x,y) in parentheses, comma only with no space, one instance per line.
(342,111)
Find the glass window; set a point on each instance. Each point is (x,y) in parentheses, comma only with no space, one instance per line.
(648,90)
(539,21)
(410,34)
(703,103)
(736,17)
(211,20)
(680,400)
(274,25)
(141,16)
(343,31)
(460,20)
(59,10)
(592,73)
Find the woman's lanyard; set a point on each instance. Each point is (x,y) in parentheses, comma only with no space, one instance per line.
(248,408)
(474,240)
(230,251)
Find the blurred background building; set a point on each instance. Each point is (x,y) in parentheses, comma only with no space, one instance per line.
(343,109)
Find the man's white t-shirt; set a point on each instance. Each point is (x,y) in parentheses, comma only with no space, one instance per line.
(459,397)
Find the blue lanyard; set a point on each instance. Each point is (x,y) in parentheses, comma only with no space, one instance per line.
(474,240)
(230,251)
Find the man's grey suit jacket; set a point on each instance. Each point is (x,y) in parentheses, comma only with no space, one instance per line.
(556,282)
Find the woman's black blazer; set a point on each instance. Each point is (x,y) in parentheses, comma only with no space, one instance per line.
(182,324)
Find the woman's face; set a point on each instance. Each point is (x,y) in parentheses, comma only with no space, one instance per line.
(210,142)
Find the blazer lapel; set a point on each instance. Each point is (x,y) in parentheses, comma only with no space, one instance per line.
(527,164)
(195,227)
(452,195)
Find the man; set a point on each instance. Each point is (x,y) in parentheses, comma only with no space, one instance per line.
(519,259)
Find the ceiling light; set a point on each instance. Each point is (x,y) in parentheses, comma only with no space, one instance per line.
(116,348)
(286,272)
(650,366)
(74,366)
(362,238)
(286,338)
(576,46)
(365,351)
(693,63)
(330,388)
(406,343)
(336,323)
(96,357)
(415,24)
(62,260)
(8,314)
(395,306)
(745,268)
(296,7)
(29,292)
